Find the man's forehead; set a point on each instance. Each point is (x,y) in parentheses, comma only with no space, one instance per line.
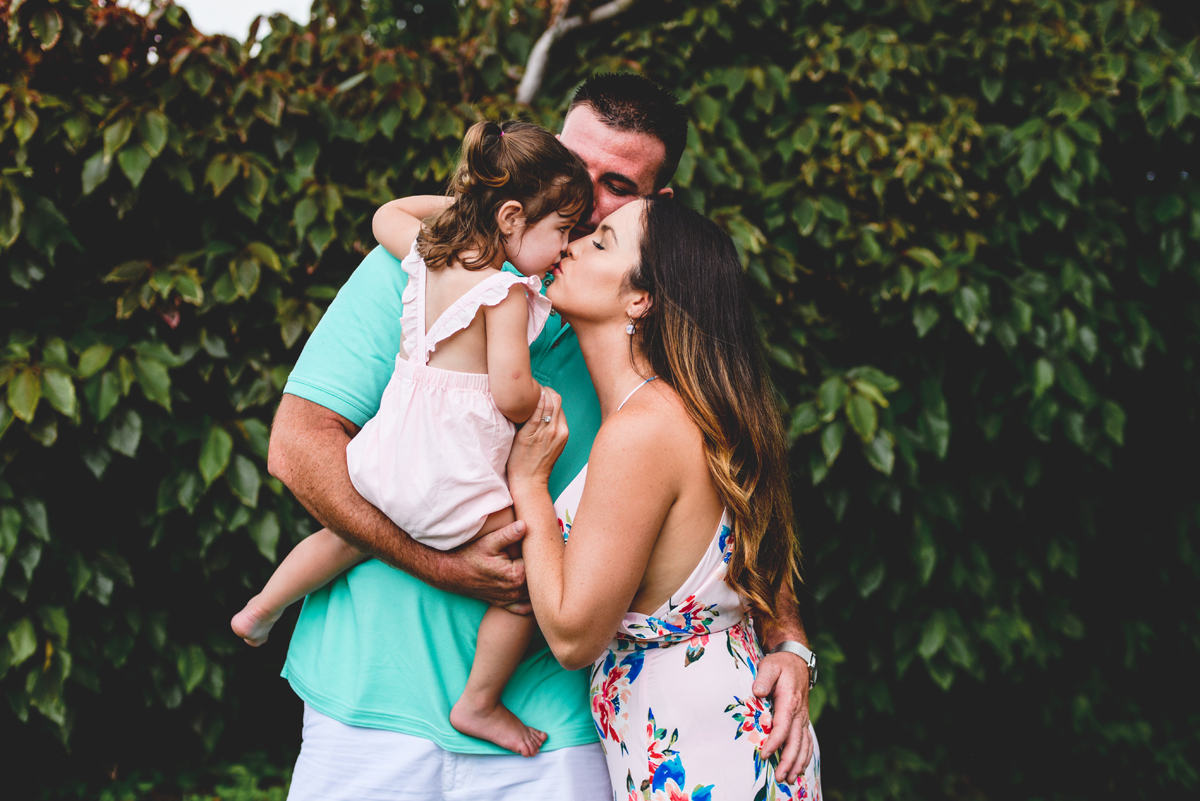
(632,153)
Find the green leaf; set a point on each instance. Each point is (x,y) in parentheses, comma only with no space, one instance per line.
(35,518)
(707,110)
(1043,377)
(116,134)
(991,86)
(805,216)
(303,215)
(95,171)
(11,210)
(831,395)
(59,390)
(153,378)
(10,529)
(125,432)
(264,530)
(24,393)
(320,237)
(46,25)
(24,125)
(108,396)
(214,454)
(805,420)
(862,416)
(880,454)
(245,481)
(153,126)
(1114,422)
(94,359)
(22,641)
(831,441)
(199,78)
(221,172)
(806,136)
(134,161)
(265,255)
(350,83)
(1064,149)
(245,275)
(933,636)
(192,665)
(6,417)
(925,317)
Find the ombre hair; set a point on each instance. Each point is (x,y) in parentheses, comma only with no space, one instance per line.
(501,162)
(700,338)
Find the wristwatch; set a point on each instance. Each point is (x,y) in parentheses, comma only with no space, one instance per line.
(793,647)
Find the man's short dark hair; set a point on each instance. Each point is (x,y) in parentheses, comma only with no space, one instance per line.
(628,102)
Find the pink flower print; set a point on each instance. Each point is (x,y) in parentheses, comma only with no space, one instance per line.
(611,696)
(753,718)
(742,645)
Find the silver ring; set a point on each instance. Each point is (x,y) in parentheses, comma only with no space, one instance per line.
(546,419)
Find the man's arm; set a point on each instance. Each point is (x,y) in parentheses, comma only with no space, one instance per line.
(784,677)
(308,454)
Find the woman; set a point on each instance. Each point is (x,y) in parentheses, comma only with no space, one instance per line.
(685,526)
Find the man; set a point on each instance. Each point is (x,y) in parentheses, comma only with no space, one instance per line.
(379,656)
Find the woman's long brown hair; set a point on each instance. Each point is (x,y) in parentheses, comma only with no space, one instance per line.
(511,161)
(699,336)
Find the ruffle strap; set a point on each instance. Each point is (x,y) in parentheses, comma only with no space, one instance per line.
(489,292)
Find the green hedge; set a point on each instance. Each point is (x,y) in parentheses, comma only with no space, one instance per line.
(982,311)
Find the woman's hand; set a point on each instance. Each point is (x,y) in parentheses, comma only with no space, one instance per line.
(539,443)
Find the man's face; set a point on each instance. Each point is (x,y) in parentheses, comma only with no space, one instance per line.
(622,164)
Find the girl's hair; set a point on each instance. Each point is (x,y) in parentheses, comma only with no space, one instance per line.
(501,162)
(699,336)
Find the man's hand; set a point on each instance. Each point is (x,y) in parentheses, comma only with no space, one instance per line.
(483,569)
(784,677)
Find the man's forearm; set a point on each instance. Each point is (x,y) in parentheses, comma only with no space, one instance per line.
(308,454)
(787,624)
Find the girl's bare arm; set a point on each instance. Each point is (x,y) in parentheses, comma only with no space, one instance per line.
(397,222)
(510,376)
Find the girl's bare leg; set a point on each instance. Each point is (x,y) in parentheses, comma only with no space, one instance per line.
(312,564)
(503,638)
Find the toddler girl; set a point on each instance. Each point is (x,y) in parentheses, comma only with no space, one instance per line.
(433,458)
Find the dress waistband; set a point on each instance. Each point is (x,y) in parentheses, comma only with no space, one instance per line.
(444,379)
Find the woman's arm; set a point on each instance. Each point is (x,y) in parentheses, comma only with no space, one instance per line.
(397,222)
(510,378)
(580,593)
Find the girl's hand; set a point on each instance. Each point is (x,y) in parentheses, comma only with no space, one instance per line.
(539,443)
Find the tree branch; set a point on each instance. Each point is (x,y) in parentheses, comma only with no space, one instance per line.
(560,25)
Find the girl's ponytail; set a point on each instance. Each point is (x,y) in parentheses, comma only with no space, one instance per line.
(514,161)
(483,151)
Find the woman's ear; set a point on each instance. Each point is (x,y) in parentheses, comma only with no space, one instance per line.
(638,305)
(508,217)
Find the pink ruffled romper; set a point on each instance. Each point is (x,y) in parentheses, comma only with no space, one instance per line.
(433,458)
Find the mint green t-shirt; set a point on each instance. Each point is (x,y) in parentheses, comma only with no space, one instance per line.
(376,647)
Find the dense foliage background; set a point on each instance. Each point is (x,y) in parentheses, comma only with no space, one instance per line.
(975,248)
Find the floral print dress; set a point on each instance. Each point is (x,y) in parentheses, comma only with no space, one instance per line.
(672,698)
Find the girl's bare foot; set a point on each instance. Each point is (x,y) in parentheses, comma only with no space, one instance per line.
(254,623)
(496,724)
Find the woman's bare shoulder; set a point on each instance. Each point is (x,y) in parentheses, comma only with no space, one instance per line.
(654,422)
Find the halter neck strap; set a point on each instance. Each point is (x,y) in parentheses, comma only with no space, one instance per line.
(635,389)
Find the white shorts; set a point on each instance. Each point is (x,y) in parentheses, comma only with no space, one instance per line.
(339,762)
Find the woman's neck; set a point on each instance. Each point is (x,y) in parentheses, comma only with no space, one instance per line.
(615,373)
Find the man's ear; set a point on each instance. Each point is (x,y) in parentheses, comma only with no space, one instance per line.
(666,191)
(508,216)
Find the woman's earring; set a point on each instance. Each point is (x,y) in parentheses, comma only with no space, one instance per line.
(630,329)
